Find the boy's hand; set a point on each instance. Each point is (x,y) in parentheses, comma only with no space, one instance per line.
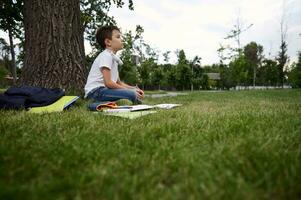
(140,93)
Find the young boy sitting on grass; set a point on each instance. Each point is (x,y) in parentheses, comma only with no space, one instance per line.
(103,83)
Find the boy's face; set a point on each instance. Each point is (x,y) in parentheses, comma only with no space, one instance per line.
(116,43)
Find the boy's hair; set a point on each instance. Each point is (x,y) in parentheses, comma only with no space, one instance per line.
(105,32)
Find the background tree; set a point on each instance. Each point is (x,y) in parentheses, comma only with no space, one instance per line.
(253,56)
(225,74)
(268,73)
(205,82)
(144,71)
(294,75)
(183,71)
(166,56)
(235,35)
(157,76)
(195,65)
(238,71)
(282,57)
(128,71)
(4,53)
(171,78)
(11,21)
(4,61)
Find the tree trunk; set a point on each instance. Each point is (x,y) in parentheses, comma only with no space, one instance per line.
(54,45)
(13,57)
(254,76)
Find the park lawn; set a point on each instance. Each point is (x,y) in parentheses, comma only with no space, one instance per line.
(218,145)
(155,92)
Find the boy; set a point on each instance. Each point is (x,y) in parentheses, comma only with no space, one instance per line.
(103,83)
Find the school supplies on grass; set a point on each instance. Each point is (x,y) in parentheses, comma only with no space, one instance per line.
(129,115)
(100,106)
(135,108)
(63,103)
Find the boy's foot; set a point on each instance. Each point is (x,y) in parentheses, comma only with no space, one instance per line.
(124,102)
(138,101)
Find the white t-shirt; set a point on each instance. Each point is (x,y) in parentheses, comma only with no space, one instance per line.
(95,78)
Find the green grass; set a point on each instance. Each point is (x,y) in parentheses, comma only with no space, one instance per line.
(223,145)
(156,92)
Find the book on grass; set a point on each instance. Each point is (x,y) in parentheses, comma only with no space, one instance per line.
(130,115)
(135,108)
(167,105)
(63,103)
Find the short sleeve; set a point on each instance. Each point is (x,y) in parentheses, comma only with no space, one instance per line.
(105,61)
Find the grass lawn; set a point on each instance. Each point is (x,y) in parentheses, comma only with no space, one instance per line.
(218,145)
(156,92)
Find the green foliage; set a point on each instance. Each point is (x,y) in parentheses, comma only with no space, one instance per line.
(128,71)
(166,56)
(11,16)
(253,56)
(226,81)
(197,71)
(157,76)
(5,51)
(183,76)
(282,59)
(238,70)
(268,73)
(294,76)
(144,71)
(183,72)
(11,21)
(3,73)
(205,85)
(171,77)
(4,48)
(253,53)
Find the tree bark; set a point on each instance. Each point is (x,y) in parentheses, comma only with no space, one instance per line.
(54,45)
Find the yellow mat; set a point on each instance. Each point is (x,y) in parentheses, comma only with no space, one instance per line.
(61,104)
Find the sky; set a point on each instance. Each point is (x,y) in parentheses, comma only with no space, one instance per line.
(200,26)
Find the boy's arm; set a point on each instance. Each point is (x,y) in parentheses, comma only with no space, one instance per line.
(107,79)
(138,90)
(124,84)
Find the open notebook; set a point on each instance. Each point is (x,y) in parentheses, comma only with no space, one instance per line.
(136,111)
(136,108)
(130,112)
(130,115)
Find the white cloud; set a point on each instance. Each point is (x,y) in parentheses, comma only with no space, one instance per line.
(199,26)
